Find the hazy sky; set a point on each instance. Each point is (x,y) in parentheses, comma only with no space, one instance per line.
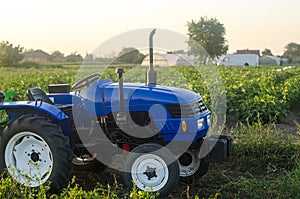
(81,26)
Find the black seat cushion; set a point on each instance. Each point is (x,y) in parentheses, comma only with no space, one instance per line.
(38,94)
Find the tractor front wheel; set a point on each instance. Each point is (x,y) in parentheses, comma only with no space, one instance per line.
(152,168)
(36,152)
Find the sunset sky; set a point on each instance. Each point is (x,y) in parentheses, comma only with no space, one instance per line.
(81,26)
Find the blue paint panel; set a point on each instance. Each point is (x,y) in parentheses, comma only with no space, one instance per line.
(102,97)
(93,96)
(184,136)
(43,107)
(136,95)
(64,98)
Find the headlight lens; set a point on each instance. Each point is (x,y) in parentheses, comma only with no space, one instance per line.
(200,123)
(208,120)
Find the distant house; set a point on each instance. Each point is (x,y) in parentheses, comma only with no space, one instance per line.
(36,56)
(272,60)
(169,60)
(239,60)
(247,51)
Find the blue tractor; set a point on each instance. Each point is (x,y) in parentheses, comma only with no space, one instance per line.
(160,130)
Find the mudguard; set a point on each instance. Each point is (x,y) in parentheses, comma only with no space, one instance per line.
(16,109)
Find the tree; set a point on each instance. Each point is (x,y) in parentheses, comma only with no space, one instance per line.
(292,51)
(130,55)
(89,57)
(10,55)
(74,57)
(206,35)
(57,56)
(266,52)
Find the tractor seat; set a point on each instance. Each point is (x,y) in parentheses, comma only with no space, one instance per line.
(34,94)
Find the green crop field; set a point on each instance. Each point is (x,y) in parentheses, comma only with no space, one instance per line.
(253,94)
(265,161)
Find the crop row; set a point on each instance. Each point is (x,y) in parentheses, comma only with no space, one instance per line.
(252,93)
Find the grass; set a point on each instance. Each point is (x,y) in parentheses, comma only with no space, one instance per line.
(265,164)
(260,148)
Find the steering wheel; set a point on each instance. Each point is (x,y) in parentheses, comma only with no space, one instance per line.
(85,81)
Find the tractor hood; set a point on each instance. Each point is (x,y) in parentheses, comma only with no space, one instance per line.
(144,94)
(103,96)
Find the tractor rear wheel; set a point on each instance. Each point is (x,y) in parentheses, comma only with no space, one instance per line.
(36,152)
(191,166)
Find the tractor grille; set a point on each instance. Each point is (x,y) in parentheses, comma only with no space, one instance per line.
(187,110)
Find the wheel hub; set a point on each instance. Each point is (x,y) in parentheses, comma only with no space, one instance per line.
(35,157)
(150,172)
(186,159)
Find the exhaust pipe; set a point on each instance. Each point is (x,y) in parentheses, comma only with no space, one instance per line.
(151,73)
(120,72)
(121,117)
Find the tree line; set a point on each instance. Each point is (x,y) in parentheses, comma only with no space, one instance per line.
(205,35)
(57,56)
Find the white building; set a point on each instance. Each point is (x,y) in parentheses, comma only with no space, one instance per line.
(240,60)
(169,60)
(273,60)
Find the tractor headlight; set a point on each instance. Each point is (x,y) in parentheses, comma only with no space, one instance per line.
(200,123)
(208,120)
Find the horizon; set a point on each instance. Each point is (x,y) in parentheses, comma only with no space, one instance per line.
(72,26)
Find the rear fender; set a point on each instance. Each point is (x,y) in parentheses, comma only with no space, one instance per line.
(16,109)
(21,107)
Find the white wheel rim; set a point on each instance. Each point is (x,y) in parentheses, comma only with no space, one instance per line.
(191,169)
(29,159)
(150,172)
